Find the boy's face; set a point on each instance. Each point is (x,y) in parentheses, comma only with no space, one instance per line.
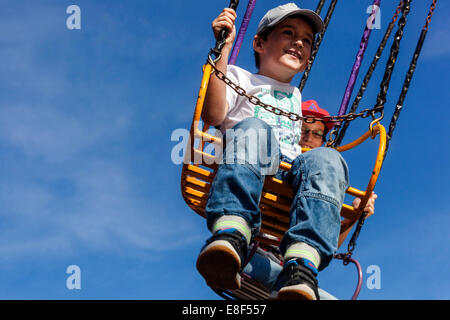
(287,49)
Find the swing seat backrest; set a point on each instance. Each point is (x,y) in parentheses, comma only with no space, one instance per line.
(200,166)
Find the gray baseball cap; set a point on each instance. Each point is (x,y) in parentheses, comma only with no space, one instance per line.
(278,14)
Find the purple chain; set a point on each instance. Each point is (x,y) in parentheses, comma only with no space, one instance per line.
(242,30)
(356,66)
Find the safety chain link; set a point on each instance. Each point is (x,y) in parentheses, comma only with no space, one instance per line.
(430,15)
(317,43)
(381,100)
(409,75)
(364,85)
(291,115)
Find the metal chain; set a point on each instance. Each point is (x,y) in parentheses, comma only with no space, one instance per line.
(384,86)
(408,77)
(340,134)
(317,43)
(291,115)
(430,15)
(221,38)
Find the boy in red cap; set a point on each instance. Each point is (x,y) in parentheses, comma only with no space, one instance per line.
(255,142)
(313,134)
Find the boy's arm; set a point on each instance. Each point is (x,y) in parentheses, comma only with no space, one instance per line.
(369,209)
(215,107)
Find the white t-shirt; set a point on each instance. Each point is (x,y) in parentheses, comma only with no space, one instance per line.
(278,94)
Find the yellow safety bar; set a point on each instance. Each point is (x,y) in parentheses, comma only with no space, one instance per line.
(200,167)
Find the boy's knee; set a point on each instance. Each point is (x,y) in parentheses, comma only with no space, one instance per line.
(325,157)
(324,167)
(252,141)
(322,152)
(252,123)
(252,130)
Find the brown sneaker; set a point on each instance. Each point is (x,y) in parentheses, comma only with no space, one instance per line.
(220,260)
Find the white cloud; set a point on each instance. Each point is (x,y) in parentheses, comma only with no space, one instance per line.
(54,135)
(437,43)
(59,129)
(102,213)
(108,213)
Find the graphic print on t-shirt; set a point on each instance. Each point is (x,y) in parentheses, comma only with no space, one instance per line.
(287,132)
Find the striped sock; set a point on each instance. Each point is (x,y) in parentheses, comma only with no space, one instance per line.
(302,250)
(233,222)
(305,262)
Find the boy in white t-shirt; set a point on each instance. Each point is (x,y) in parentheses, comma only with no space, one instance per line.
(256,141)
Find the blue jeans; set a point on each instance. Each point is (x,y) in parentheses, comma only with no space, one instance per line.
(319,179)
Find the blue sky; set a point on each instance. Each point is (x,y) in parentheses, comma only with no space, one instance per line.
(86,118)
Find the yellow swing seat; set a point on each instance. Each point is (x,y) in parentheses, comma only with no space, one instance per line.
(200,167)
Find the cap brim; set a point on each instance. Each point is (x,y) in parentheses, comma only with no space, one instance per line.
(329,125)
(313,17)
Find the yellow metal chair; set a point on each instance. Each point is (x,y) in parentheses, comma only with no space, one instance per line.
(200,166)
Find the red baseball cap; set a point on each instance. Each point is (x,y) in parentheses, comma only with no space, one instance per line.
(311,108)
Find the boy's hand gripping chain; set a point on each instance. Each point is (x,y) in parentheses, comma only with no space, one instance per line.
(220,42)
